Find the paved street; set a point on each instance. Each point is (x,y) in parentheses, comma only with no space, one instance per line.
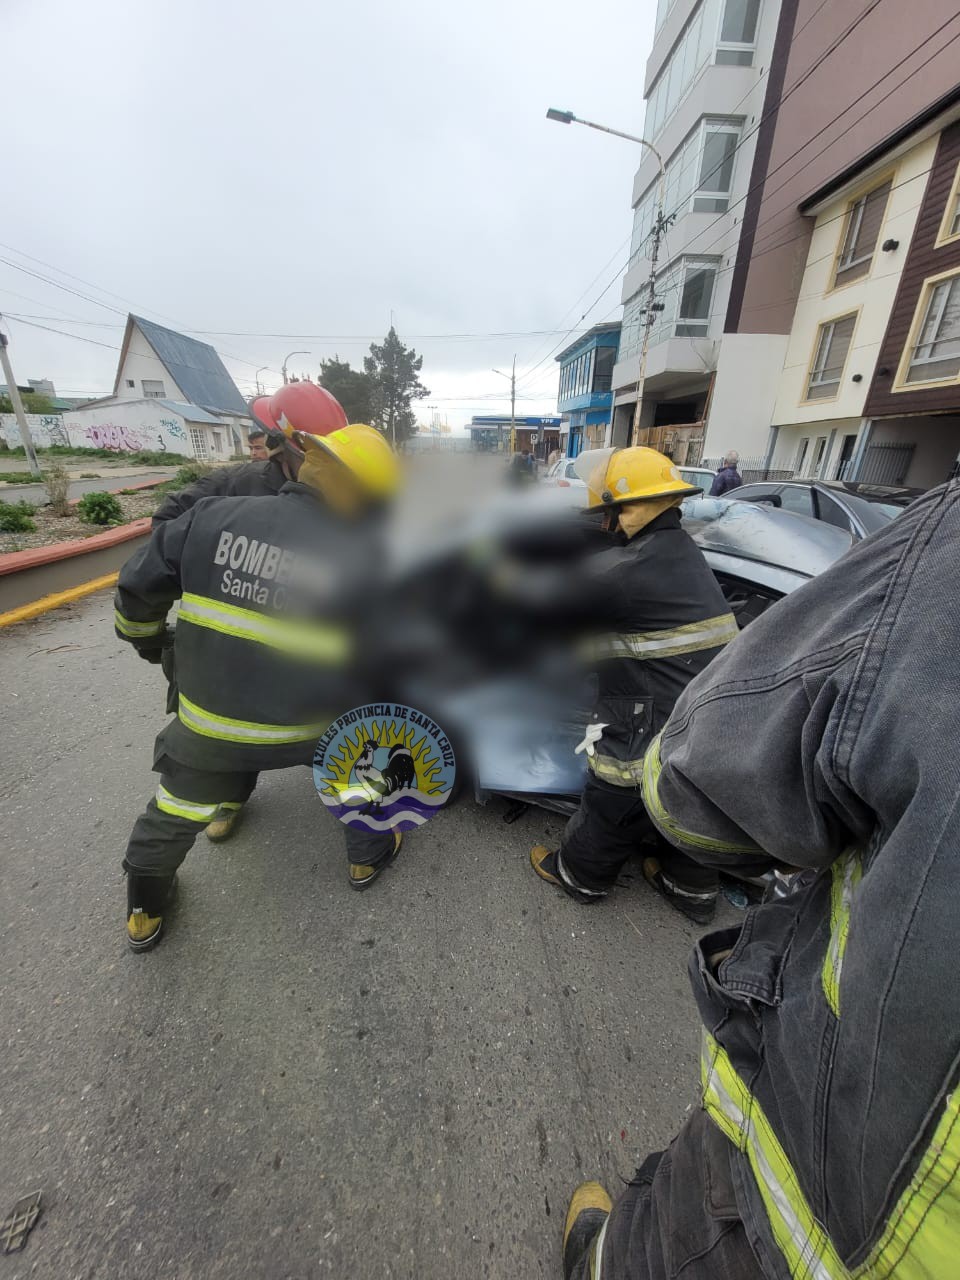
(300,1080)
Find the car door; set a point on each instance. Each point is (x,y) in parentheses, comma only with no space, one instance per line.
(797,498)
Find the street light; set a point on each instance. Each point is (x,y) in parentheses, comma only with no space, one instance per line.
(286,358)
(659,228)
(256,377)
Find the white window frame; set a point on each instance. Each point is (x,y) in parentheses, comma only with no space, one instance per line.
(803,448)
(689,157)
(817,365)
(198,441)
(669,290)
(908,359)
(153,395)
(736,46)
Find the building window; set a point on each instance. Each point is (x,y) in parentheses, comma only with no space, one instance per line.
(689,55)
(131,383)
(738,33)
(699,176)
(664,7)
(950,227)
(603,368)
(633,312)
(153,389)
(833,343)
(198,442)
(934,354)
(801,456)
(861,231)
(686,291)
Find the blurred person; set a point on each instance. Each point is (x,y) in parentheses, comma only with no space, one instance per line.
(827,1143)
(298,407)
(659,618)
(728,477)
(274,595)
(257,445)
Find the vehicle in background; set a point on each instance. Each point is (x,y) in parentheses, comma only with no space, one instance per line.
(861,509)
(702,477)
(563,475)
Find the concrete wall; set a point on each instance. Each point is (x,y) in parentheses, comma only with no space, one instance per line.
(124,428)
(142,362)
(744,394)
(871,297)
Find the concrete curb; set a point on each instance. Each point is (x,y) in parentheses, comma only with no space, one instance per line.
(33,582)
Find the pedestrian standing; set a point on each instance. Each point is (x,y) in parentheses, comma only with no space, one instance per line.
(728,477)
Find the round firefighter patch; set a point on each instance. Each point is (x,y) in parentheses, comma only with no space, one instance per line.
(384,766)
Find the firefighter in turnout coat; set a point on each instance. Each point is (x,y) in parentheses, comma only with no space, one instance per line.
(658,617)
(274,597)
(826,1145)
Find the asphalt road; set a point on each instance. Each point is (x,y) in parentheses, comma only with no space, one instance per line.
(302,1081)
(38,494)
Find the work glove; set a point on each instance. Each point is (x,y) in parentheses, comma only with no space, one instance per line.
(151,648)
(592,736)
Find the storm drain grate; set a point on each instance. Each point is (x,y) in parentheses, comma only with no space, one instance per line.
(20,1222)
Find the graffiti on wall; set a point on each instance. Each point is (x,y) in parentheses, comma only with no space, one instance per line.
(173,428)
(118,438)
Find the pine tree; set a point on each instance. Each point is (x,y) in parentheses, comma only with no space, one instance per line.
(395,373)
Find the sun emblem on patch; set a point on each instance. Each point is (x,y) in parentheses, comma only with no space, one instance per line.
(384,766)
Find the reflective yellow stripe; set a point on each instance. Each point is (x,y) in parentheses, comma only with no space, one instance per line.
(210,725)
(318,641)
(622,773)
(596,1251)
(127,627)
(167,802)
(708,633)
(921,1238)
(668,825)
(806,1247)
(847,873)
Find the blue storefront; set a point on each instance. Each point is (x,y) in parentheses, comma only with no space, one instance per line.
(584,396)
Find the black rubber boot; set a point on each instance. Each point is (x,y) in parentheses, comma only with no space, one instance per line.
(148,897)
(697,905)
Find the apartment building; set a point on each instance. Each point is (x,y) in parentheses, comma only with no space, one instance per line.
(584,394)
(835,309)
(705,86)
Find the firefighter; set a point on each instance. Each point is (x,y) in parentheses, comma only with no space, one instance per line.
(660,617)
(274,592)
(257,445)
(303,407)
(821,743)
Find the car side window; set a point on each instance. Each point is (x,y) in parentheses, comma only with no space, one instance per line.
(797,499)
(755,492)
(832,512)
(571,471)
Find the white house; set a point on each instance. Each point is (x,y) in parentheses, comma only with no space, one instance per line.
(188,378)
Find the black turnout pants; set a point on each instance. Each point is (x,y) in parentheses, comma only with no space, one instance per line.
(187,800)
(678,1219)
(610,825)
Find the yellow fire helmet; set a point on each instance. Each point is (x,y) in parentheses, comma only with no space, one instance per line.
(616,476)
(364,451)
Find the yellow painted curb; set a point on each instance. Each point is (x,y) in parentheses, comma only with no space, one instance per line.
(46,603)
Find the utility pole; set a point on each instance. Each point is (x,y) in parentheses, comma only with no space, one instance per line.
(659,230)
(14,394)
(513,404)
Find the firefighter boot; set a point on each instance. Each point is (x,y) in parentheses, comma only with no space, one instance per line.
(148,897)
(547,866)
(587,1212)
(362,876)
(697,905)
(225,822)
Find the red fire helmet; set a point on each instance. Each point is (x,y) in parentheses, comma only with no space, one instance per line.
(300,408)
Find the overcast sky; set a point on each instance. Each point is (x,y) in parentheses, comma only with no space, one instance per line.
(309,168)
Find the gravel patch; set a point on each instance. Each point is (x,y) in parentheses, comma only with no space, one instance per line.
(51,528)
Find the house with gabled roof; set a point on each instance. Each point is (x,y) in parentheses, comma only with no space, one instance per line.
(168,376)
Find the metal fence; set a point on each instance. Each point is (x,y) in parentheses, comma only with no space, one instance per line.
(753,469)
(885,463)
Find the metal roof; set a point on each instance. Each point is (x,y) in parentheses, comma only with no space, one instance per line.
(190,412)
(195,366)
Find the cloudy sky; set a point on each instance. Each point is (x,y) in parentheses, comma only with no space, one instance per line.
(290,175)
